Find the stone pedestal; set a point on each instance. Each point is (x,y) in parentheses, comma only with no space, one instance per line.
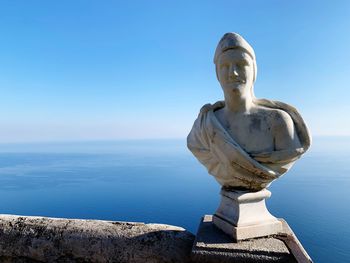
(213,246)
(243,215)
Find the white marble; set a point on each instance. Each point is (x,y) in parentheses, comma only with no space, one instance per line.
(245,142)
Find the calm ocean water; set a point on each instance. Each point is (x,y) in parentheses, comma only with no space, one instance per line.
(160,181)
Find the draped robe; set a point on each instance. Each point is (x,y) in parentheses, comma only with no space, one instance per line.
(229,163)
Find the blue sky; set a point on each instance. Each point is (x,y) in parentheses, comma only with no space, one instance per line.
(80,70)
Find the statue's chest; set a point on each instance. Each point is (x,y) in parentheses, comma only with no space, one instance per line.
(252,133)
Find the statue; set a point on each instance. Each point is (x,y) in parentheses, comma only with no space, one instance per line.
(245,142)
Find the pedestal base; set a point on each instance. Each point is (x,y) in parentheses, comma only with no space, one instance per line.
(247,232)
(213,246)
(243,215)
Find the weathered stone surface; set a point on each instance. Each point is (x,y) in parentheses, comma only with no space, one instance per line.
(213,246)
(245,142)
(40,239)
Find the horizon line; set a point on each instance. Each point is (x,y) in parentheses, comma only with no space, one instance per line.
(127,139)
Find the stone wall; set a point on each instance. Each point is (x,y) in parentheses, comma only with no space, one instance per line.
(40,239)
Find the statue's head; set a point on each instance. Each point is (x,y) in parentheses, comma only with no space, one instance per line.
(235,63)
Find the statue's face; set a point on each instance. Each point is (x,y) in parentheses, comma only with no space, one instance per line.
(235,71)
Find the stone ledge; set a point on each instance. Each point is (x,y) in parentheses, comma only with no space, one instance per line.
(213,246)
(41,239)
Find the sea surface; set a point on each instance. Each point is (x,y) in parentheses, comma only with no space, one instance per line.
(160,181)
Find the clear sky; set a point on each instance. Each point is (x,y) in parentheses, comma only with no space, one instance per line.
(79,70)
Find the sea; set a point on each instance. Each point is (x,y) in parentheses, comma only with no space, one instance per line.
(159,181)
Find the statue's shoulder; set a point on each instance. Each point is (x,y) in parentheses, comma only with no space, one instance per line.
(211,107)
(281,118)
(276,117)
(205,108)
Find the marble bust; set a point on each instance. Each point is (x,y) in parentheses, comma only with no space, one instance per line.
(245,142)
